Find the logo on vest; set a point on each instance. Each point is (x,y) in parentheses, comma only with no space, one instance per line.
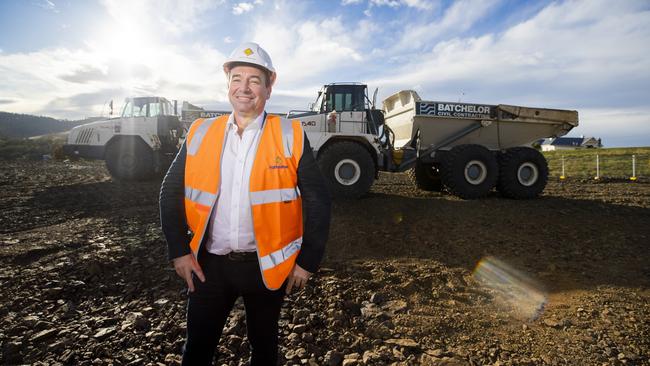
(278,164)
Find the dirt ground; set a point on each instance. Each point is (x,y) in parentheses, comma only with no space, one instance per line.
(85,279)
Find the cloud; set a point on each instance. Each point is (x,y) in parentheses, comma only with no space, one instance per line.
(585,55)
(48,5)
(241,8)
(457,18)
(83,101)
(172,17)
(569,53)
(6,101)
(419,4)
(54,81)
(31,78)
(390,3)
(126,52)
(309,49)
(85,74)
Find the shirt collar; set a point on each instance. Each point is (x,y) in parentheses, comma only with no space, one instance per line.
(256,124)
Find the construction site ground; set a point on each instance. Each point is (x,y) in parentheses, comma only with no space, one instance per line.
(85,278)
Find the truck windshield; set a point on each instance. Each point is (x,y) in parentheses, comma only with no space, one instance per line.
(146,107)
(345,98)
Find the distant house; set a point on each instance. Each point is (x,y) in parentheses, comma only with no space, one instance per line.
(571,143)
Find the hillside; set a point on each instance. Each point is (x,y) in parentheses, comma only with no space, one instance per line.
(14,125)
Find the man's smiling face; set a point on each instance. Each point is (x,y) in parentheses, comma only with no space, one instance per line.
(248,90)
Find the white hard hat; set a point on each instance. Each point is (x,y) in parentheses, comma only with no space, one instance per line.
(250,53)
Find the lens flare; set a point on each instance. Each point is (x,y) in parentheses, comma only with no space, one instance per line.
(513,290)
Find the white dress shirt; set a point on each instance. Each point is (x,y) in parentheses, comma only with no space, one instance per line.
(231,226)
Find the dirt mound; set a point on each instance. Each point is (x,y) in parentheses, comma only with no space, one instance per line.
(85,280)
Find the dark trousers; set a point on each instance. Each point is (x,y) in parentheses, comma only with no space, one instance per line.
(211,302)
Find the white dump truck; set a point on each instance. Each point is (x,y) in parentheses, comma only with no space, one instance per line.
(467,149)
(135,145)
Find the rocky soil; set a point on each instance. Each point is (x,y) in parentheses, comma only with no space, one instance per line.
(85,280)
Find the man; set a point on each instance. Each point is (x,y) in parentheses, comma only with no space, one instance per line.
(248,188)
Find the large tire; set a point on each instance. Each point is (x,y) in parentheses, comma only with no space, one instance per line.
(129,159)
(523,173)
(426,177)
(469,171)
(348,169)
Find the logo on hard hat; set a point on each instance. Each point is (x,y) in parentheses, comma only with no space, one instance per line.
(248,52)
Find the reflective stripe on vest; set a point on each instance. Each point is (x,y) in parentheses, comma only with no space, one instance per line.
(199,196)
(287,137)
(274,195)
(279,256)
(200,133)
(276,204)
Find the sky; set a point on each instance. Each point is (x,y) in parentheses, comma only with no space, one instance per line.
(67,59)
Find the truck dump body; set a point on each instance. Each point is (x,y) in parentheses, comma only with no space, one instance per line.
(501,126)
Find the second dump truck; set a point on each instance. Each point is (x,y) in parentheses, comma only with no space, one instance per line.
(469,149)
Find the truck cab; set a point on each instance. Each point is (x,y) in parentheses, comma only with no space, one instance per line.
(348,103)
(344,131)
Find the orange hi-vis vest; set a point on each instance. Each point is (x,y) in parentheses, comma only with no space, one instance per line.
(275,199)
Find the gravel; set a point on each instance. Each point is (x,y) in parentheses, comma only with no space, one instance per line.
(85,280)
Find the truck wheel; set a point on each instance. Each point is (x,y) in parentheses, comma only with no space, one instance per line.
(523,173)
(426,177)
(469,171)
(129,159)
(348,169)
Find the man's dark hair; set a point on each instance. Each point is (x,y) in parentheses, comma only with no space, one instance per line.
(267,73)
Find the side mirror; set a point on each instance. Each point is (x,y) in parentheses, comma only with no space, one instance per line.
(374,98)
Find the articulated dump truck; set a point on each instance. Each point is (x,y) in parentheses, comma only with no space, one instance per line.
(467,149)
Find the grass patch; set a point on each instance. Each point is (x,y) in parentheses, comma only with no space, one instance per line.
(32,149)
(614,162)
